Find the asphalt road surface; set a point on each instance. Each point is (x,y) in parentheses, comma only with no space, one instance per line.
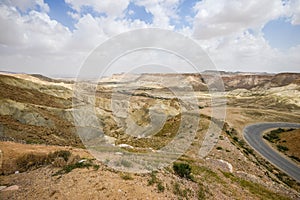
(253,135)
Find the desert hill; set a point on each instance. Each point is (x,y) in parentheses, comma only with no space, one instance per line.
(37,120)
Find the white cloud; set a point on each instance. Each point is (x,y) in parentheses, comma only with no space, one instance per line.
(223,17)
(246,52)
(162,11)
(294,11)
(111,8)
(131,12)
(222,29)
(33,42)
(9,21)
(243,51)
(25,5)
(91,31)
(74,15)
(33,30)
(86,35)
(289,60)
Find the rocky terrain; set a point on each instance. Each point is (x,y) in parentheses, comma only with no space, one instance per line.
(141,114)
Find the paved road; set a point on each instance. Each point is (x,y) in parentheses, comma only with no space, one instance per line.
(253,135)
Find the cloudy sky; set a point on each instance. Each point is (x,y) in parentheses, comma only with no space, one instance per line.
(54,37)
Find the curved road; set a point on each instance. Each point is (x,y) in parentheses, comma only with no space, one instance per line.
(253,135)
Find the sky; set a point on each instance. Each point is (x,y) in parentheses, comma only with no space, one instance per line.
(55,37)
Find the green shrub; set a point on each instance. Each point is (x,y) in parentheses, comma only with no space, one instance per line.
(242,143)
(61,153)
(183,170)
(68,168)
(160,187)
(250,150)
(282,148)
(201,192)
(177,190)
(273,136)
(295,158)
(153,179)
(235,138)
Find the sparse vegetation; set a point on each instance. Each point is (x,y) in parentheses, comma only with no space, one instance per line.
(154,180)
(254,188)
(205,173)
(201,192)
(279,141)
(240,143)
(126,176)
(33,161)
(181,192)
(273,136)
(84,164)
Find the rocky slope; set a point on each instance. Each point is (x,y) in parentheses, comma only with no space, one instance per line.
(34,112)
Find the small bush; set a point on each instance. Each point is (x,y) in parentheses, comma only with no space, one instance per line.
(219,148)
(282,148)
(249,150)
(153,179)
(126,176)
(96,167)
(246,152)
(62,153)
(201,192)
(176,189)
(68,168)
(235,138)
(242,143)
(160,187)
(273,136)
(228,132)
(183,170)
(295,158)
